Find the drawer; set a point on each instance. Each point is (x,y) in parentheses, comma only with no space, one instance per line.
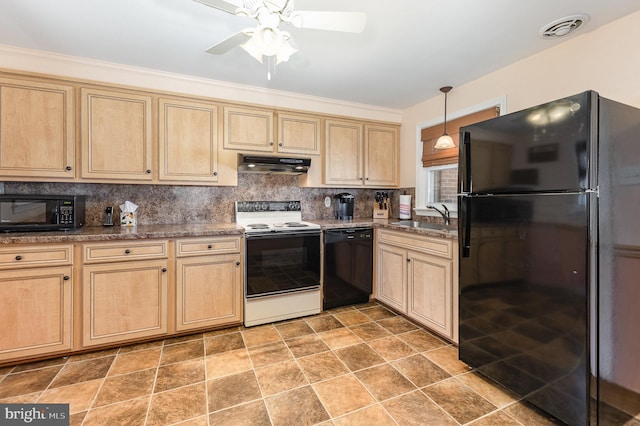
(204,246)
(125,250)
(29,256)
(431,245)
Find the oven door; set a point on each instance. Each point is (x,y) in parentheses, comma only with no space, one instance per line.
(281,262)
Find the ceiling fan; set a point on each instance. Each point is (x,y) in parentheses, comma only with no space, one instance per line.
(266,39)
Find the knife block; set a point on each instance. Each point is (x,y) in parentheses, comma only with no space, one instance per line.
(379,213)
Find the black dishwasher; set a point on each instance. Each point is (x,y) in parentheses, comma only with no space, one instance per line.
(348,266)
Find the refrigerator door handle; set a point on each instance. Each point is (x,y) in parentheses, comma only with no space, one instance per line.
(466,154)
(466,229)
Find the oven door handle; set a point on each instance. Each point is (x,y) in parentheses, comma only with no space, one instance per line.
(283,234)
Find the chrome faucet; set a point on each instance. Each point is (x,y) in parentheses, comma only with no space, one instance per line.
(446,215)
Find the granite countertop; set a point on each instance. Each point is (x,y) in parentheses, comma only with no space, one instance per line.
(385,223)
(109,233)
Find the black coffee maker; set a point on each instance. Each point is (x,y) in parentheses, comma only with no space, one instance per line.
(343,206)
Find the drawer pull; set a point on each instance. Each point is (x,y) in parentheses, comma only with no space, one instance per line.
(18,257)
(127,251)
(164,269)
(66,278)
(209,246)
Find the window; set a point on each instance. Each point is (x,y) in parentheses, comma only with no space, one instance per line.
(437,170)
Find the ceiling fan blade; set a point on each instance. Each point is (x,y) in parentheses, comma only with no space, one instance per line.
(351,22)
(229,43)
(224,5)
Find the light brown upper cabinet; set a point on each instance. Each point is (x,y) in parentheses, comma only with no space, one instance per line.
(380,155)
(37,136)
(188,141)
(248,129)
(116,135)
(359,154)
(252,129)
(343,153)
(298,134)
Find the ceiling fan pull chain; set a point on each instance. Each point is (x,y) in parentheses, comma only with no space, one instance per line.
(270,66)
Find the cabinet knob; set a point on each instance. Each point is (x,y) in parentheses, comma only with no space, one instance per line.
(237,263)
(164,269)
(18,257)
(408,260)
(280,144)
(366,178)
(148,171)
(66,278)
(209,246)
(215,173)
(68,168)
(127,251)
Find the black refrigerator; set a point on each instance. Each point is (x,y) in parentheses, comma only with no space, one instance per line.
(549,237)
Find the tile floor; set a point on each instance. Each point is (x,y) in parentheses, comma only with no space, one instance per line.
(356,365)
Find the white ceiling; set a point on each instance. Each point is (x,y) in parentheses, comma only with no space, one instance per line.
(408,50)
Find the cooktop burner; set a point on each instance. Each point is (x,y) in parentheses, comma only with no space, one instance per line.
(258,226)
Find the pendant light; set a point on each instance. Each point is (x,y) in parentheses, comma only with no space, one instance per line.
(445,141)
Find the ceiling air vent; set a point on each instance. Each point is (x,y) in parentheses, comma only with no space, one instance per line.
(563,26)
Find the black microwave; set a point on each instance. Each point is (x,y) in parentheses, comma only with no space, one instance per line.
(41,212)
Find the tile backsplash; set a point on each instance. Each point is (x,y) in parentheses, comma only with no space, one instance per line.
(165,204)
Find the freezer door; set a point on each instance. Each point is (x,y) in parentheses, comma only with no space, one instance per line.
(541,149)
(524,292)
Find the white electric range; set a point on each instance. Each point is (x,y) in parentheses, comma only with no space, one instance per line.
(282,261)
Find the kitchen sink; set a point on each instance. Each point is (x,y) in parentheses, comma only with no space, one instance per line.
(425,225)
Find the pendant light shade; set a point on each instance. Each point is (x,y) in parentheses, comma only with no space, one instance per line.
(445,141)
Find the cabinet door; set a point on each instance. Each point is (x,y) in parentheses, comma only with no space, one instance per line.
(430,292)
(124,301)
(36,130)
(116,135)
(209,291)
(188,138)
(298,134)
(381,156)
(392,276)
(343,153)
(248,129)
(36,312)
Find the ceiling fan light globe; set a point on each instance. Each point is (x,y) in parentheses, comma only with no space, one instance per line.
(252,48)
(444,142)
(285,52)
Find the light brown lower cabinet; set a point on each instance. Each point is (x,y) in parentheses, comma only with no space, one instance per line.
(36,312)
(208,291)
(124,291)
(418,276)
(124,301)
(208,282)
(36,294)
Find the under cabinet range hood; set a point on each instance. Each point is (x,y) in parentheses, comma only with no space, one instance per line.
(272,165)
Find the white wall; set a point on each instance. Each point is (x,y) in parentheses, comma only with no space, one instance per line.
(606,60)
